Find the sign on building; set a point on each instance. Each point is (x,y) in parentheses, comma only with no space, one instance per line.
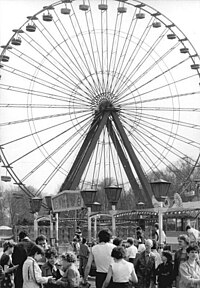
(67,200)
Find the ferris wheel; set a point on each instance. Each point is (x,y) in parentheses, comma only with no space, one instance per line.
(95,90)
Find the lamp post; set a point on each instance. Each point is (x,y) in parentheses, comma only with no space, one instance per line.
(160,189)
(96,207)
(49,205)
(88,198)
(113,194)
(35,204)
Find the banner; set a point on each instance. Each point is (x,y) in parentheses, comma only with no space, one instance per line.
(67,200)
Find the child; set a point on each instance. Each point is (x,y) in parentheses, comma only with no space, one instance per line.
(165,271)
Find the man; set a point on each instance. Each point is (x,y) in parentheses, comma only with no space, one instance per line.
(192,233)
(41,240)
(157,236)
(180,256)
(101,255)
(83,256)
(145,267)
(131,250)
(20,253)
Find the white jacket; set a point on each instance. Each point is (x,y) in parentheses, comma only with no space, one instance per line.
(32,274)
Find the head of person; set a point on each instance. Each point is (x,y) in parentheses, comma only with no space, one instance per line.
(166,256)
(138,229)
(67,259)
(41,240)
(192,252)
(148,245)
(117,241)
(187,228)
(51,255)
(118,253)
(141,248)
(104,235)
(130,241)
(22,235)
(36,252)
(156,226)
(8,246)
(183,241)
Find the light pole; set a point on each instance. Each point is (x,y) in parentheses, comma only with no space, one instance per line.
(160,190)
(88,198)
(96,207)
(35,204)
(49,205)
(113,194)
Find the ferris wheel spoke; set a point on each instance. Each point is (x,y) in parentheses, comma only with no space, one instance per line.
(87,59)
(133,56)
(78,118)
(155,78)
(42,145)
(125,100)
(76,65)
(44,83)
(55,151)
(153,127)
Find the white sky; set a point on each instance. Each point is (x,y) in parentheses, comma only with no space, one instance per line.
(184,13)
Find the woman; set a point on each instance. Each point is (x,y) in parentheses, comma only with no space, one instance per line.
(121,271)
(6,264)
(190,269)
(32,274)
(71,276)
(50,267)
(165,271)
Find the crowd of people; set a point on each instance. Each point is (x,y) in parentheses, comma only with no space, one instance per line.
(114,263)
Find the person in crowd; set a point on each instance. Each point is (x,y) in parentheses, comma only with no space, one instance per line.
(6,264)
(154,250)
(50,268)
(41,240)
(71,276)
(117,241)
(164,271)
(131,250)
(120,271)
(157,236)
(101,255)
(139,235)
(190,269)
(192,233)
(78,234)
(2,275)
(145,267)
(20,253)
(180,256)
(32,274)
(83,256)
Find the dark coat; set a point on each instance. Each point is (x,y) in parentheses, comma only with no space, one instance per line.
(20,253)
(145,270)
(165,275)
(47,270)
